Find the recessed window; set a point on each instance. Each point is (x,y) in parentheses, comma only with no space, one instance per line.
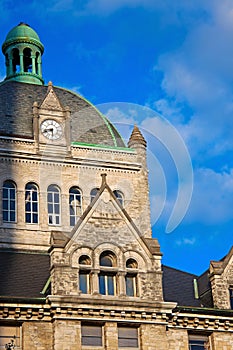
(91,335)
(53,198)
(199,342)
(119,196)
(75,202)
(93,193)
(31,203)
(107,277)
(27,60)
(231,297)
(9,337)
(9,201)
(128,337)
(84,274)
(131,278)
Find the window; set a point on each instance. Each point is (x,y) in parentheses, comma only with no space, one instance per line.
(131,278)
(128,337)
(53,197)
(107,276)
(9,201)
(9,338)
(75,202)
(231,297)
(93,193)
(16,60)
(27,60)
(119,196)
(91,335)
(199,342)
(31,203)
(84,274)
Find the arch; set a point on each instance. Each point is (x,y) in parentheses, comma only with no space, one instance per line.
(31,203)
(119,196)
(107,259)
(131,264)
(75,204)
(27,60)
(15,60)
(54,206)
(9,201)
(84,260)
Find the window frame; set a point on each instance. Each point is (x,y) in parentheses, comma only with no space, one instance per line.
(74,216)
(198,340)
(131,275)
(85,270)
(90,339)
(9,201)
(124,341)
(54,203)
(32,203)
(108,273)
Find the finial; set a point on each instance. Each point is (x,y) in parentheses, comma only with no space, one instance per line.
(136,137)
(50,86)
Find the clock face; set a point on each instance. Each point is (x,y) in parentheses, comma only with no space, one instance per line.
(51,129)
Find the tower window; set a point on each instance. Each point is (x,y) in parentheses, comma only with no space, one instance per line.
(75,203)
(31,203)
(131,283)
(119,196)
(9,201)
(84,274)
(53,199)
(37,62)
(27,60)
(16,61)
(93,193)
(107,276)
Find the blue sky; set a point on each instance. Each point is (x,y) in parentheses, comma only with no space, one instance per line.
(174,57)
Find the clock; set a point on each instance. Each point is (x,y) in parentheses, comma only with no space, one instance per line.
(51,129)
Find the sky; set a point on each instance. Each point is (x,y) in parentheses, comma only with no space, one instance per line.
(167,66)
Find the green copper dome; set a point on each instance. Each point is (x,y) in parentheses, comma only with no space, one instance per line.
(23,50)
(22,33)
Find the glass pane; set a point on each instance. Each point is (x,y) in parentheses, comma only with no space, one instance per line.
(83,282)
(12,216)
(5,216)
(5,193)
(56,208)
(110,280)
(129,285)
(50,198)
(92,341)
(50,208)
(28,206)
(12,193)
(102,284)
(105,261)
(34,207)
(72,221)
(57,220)
(5,204)
(35,218)
(28,217)
(34,196)
(12,205)
(56,197)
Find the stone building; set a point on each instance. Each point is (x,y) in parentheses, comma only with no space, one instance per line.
(79,268)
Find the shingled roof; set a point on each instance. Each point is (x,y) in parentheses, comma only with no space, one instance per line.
(87,124)
(23,274)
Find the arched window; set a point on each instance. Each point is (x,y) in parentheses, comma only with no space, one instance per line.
(15,61)
(131,278)
(31,203)
(9,201)
(119,196)
(75,203)
(93,193)
(53,199)
(27,60)
(84,274)
(37,62)
(107,276)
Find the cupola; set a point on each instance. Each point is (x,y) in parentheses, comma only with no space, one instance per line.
(23,50)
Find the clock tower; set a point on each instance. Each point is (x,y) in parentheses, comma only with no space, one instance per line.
(51,125)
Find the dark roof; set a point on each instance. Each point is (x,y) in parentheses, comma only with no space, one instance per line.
(178,287)
(204,289)
(23,274)
(87,124)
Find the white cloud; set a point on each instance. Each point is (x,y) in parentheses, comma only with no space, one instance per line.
(186,241)
(212,200)
(199,74)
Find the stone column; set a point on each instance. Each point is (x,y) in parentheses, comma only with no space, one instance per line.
(111,336)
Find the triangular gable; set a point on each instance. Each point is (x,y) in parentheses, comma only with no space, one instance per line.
(51,101)
(116,214)
(218,267)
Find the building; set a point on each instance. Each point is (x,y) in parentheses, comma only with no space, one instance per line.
(79,267)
